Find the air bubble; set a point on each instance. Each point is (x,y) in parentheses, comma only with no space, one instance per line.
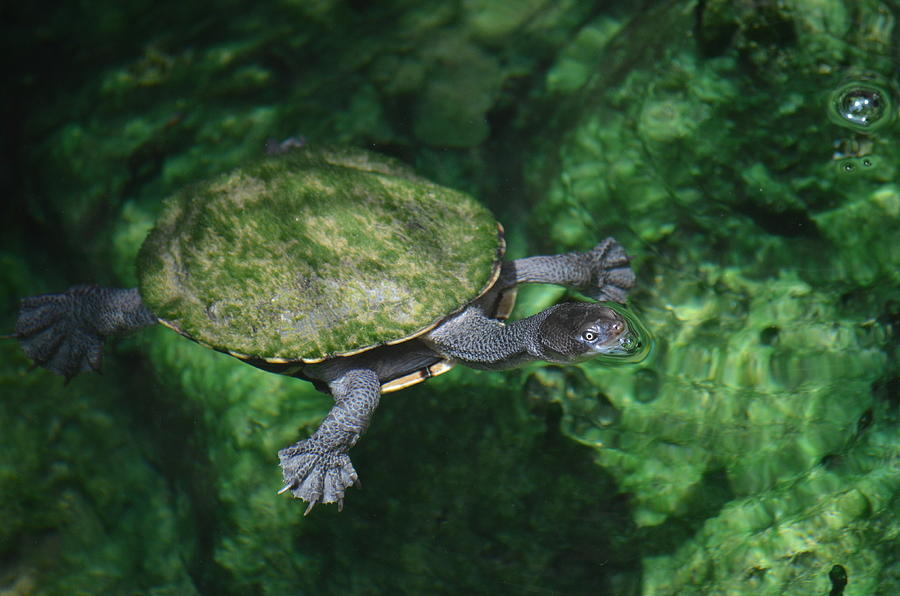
(861,106)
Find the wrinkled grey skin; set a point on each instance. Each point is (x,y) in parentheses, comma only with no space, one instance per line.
(65,334)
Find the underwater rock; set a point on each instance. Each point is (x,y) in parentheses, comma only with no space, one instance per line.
(721,156)
(459,90)
(788,540)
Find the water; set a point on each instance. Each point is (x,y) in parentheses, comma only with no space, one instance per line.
(746,155)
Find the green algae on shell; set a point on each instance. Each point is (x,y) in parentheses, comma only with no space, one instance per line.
(314,253)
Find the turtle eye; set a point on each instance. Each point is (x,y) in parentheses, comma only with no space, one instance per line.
(589,336)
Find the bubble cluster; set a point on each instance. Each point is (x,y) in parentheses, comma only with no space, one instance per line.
(855,165)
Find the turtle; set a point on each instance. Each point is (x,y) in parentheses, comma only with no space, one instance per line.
(345,268)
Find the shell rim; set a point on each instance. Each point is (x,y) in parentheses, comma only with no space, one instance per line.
(492,280)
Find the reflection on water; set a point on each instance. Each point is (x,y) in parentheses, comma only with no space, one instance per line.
(771,285)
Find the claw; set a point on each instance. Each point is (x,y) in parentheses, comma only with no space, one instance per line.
(315,474)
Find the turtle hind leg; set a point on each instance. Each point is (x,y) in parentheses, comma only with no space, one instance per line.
(318,469)
(53,340)
(65,332)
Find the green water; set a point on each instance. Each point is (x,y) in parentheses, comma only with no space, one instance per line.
(745,153)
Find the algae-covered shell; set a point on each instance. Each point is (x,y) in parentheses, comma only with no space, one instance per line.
(315,253)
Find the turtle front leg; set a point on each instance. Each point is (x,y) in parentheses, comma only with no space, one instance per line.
(65,332)
(318,469)
(602,273)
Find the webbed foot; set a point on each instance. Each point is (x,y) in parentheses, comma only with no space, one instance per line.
(315,474)
(52,332)
(65,332)
(611,275)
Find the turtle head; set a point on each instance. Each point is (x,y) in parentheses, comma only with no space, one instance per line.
(576,331)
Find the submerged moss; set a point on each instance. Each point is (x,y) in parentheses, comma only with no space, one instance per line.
(767,281)
(753,452)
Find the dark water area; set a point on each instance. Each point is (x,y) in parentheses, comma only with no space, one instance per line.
(746,155)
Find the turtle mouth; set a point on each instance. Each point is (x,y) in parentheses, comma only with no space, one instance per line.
(607,335)
(622,337)
(612,337)
(615,342)
(624,343)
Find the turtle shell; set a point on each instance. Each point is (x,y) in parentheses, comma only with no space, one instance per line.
(315,253)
